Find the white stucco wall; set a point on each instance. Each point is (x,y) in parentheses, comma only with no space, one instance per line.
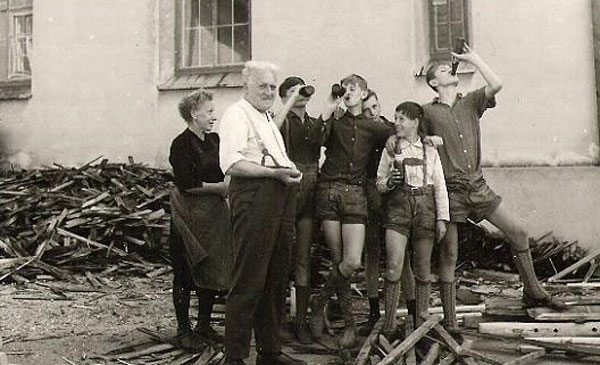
(97,64)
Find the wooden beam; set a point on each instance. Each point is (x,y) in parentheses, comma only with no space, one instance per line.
(593,341)
(411,340)
(432,354)
(576,265)
(453,345)
(520,329)
(365,350)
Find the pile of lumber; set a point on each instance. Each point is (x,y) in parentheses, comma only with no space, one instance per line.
(479,248)
(55,220)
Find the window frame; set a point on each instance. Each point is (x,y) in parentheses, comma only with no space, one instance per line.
(434,54)
(179,46)
(11,73)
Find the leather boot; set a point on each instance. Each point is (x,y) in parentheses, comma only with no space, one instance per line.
(534,295)
(343,291)
(423,293)
(392,296)
(317,304)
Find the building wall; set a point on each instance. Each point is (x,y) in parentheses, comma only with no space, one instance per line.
(97,64)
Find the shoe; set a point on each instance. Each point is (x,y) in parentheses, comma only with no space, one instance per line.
(546,301)
(303,334)
(366,328)
(279,359)
(190,341)
(208,333)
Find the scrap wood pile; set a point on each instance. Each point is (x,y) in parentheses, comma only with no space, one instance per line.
(479,248)
(59,219)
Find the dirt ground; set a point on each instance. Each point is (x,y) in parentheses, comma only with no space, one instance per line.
(51,323)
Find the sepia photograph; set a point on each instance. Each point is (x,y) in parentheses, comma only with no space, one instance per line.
(288,182)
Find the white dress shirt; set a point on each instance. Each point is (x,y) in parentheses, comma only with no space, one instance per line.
(239,140)
(414,174)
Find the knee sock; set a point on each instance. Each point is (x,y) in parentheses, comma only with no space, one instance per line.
(181,302)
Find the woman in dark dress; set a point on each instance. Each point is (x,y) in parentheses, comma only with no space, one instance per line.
(200,244)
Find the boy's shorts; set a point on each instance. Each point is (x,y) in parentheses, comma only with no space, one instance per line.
(305,192)
(411,213)
(474,200)
(337,201)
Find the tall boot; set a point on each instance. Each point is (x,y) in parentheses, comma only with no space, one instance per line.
(302,297)
(534,295)
(318,301)
(392,296)
(343,291)
(206,300)
(423,293)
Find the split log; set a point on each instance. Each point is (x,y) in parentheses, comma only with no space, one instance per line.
(453,345)
(365,350)
(432,354)
(575,266)
(590,341)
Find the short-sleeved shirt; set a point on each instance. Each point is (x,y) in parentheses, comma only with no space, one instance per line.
(349,141)
(458,125)
(194,160)
(302,138)
(238,130)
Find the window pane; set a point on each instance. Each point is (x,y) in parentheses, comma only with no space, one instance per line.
(191,48)
(192,11)
(443,38)
(457,31)
(208,47)
(206,12)
(441,13)
(241,41)
(456,10)
(240,11)
(224,47)
(224,12)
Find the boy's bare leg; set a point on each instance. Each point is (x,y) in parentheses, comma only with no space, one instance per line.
(395,245)
(533,293)
(302,276)
(332,231)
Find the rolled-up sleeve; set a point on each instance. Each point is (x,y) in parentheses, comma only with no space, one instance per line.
(442,205)
(233,131)
(384,171)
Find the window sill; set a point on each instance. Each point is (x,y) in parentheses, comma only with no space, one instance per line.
(15,90)
(216,80)
(462,70)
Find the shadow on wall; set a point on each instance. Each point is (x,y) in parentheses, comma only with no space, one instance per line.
(12,160)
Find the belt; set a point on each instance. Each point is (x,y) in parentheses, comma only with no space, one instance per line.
(416,190)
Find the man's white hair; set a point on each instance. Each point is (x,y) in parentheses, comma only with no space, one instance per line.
(253,67)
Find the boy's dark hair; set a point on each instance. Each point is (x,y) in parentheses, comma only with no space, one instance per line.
(289,83)
(190,102)
(430,74)
(355,79)
(371,93)
(413,110)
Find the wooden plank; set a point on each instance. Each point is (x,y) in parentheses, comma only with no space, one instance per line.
(576,265)
(365,350)
(594,341)
(411,340)
(96,200)
(520,329)
(451,358)
(493,275)
(527,359)
(64,232)
(146,351)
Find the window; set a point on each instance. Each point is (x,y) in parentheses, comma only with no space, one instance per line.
(16,42)
(448,20)
(214,35)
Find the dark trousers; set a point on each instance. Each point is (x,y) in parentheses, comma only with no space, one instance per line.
(263,227)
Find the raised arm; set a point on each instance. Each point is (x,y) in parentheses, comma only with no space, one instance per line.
(494,84)
(287,106)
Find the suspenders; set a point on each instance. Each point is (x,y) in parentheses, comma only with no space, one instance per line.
(411,161)
(261,143)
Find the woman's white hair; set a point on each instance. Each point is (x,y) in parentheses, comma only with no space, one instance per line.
(254,67)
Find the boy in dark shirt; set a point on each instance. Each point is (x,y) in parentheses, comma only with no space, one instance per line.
(302,138)
(341,200)
(455,118)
